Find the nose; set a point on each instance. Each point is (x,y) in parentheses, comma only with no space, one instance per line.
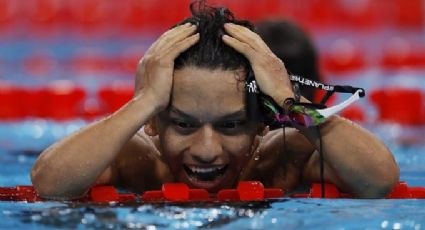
(206,147)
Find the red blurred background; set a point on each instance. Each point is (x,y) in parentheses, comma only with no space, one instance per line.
(76,59)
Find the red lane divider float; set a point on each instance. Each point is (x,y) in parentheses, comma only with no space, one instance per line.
(344,57)
(179,192)
(100,16)
(60,100)
(114,96)
(400,53)
(249,191)
(10,100)
(401,105)
(63,100)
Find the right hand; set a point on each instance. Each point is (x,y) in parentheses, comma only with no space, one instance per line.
(155,70)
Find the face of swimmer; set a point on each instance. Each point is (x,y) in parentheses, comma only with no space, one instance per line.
(205,135)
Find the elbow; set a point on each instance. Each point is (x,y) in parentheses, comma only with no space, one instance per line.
(48,189)
(42,181)
(37,181)
(381,185)
(377,191)
(51,180)
(389,177)
(41,185)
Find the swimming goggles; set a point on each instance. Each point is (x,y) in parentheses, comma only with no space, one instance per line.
(296,113)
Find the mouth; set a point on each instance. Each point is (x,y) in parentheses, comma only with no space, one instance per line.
(205,177)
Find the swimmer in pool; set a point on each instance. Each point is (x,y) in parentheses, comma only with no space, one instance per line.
(188,122)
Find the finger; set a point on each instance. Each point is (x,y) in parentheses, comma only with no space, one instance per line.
(176,36)
(239,46)
(170,32)
(182,46)
(247,36)
(173,30)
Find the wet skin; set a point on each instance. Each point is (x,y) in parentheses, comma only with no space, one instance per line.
(206,127)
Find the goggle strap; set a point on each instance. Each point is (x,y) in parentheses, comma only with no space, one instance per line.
(310,83)
(326,97)
(348,89)
(337,108)
(297,92)
(328,88)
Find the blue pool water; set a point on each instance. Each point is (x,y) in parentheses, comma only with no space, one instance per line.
(276,214)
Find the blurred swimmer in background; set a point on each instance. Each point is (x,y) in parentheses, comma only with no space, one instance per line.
(294,47)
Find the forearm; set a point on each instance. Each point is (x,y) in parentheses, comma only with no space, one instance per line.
(361,161)
(70,167)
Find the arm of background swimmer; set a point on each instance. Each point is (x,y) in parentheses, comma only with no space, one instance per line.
(71,166)
(360,163)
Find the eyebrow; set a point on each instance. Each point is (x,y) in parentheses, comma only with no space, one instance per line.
(239,114)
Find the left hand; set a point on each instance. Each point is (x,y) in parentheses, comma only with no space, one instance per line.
(270,72)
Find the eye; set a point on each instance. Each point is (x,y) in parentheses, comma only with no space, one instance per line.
(232,127)
(183,127)
(183,124)
(232,124)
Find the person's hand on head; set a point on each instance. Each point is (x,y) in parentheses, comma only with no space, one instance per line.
(155,70)
(270,72)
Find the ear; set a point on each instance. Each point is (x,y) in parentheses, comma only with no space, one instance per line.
(263,129)
(151,128)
